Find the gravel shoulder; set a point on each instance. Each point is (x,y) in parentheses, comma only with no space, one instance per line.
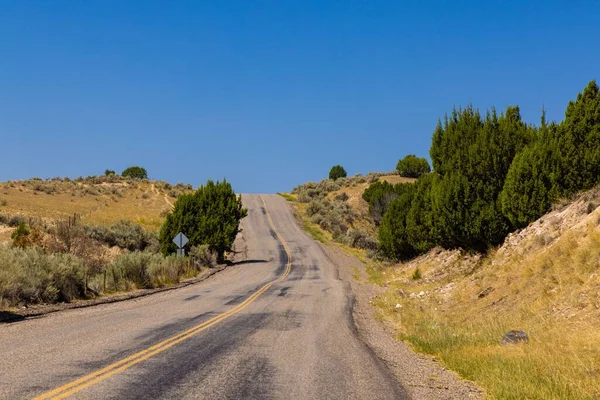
(422,376)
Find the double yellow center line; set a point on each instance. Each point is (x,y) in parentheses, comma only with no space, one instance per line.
(120,366)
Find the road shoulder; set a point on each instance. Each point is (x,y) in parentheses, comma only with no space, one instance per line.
(422,376)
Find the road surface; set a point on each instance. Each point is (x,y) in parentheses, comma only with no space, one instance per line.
(275,326)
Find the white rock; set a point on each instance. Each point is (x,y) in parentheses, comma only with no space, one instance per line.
(398,305)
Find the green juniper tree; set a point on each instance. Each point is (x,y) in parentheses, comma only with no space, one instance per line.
(210,216)
(337,172)
(412,166)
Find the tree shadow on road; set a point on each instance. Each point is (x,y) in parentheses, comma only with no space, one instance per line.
(7,317)
(231,263)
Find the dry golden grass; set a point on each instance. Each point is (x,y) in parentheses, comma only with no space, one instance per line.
(551,292)
(105,203)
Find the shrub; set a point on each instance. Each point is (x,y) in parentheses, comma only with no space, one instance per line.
(4,219)
(109,172)
(126,235)
(29,276)
(416,274)
(135,173)
(3,203)
(359,239)
(342,197)
(209,216)
(337,172)
(24,236)
(412,166)
(203,255)
(130,270)
(144,270)
(145,196)
(168,271)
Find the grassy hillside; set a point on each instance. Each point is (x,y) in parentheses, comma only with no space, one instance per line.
(544,280)
(338,208)
(83,238)
(98,200)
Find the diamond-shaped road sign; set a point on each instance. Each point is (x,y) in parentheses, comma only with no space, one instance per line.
(180,240)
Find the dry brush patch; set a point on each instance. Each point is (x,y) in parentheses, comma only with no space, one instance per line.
(99,200)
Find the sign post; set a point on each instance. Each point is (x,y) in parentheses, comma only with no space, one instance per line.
(180,240)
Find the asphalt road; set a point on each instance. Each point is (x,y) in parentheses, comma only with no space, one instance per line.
(234,336)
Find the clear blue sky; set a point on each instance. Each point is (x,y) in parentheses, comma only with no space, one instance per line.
(270,94)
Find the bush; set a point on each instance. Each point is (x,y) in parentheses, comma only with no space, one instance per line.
(109,172)
(125,235)
(337,172)
(359,239)
(144,270)
(16,220)
(413,167)
(209,216)
(135,173)
(29,276)
(203,255)
(342,197)
(20,236)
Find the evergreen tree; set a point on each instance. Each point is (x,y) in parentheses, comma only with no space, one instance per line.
(472,156)
(380,194)
(337,172)
(531,184)
(422,227)
(135,173)
(412,166)
(209,216)
(579,141)
(393,240)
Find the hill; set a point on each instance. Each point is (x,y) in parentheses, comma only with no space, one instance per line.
(457,305)
(101,200)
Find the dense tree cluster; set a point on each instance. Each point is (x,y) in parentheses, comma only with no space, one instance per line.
(210,216)
(492,174)
(412,166)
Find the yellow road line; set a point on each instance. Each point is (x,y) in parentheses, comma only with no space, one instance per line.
(120,366)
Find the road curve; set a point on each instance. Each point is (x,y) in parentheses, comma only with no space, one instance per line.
(275,326)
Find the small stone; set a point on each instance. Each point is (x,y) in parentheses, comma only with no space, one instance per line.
(485,292)
(514,337)
(398,305)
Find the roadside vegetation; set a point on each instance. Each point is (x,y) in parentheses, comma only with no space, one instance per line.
(494,174)
(210,216)
(47,257)
(503,235)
